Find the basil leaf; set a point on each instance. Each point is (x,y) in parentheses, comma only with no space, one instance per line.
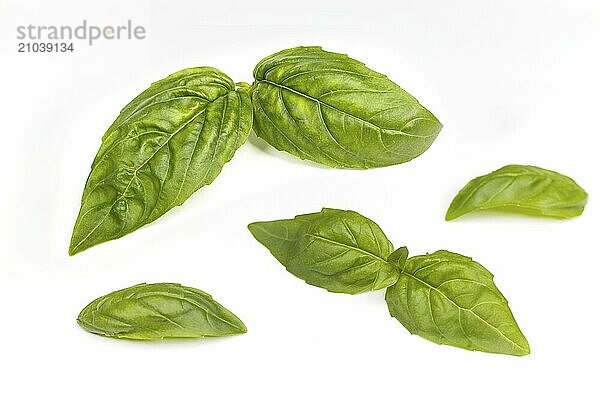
(337,250)
(399,257)
(450,299)
(333,110)
(167,143)
(521,188)
(158,311)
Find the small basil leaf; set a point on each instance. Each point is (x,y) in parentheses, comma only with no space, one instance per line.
(159,311)
(337,250)
(333,110)
(521,188)
(450,299)
(167,143)
(399,257)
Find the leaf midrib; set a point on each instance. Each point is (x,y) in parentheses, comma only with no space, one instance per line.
(364,121)
(366,252)
(190,301)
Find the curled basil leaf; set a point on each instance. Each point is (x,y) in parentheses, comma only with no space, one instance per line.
(450,299)
(333,110)
(159,311)
(521,188)
(337,250)
(167,143)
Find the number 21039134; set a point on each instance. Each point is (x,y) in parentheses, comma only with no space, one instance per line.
(45,47)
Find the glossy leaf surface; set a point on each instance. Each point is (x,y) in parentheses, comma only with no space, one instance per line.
(521,188)
(338,250)
(159,311)
(450,299)
(333,110)
(167,143)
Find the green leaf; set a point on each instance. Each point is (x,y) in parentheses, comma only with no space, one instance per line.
(158,311)
(333,110)
(337,250)
(399,257)
(450,299)
(167,143)
(523,189)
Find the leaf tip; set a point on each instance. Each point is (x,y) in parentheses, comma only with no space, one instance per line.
(523,350)
(73,250)
(451,214)
(76,246)
(238,326)
(243,329)
(252,227)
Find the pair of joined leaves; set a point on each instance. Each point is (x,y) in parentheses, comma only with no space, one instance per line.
(443,297)
(176,136)
(158,311)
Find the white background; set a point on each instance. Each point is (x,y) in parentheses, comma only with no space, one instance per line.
(512,82)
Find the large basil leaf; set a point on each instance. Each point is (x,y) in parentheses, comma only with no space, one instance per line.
(331,109)
(450,299)
(337,250)
(521,188)
(158,311)
(167,143)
